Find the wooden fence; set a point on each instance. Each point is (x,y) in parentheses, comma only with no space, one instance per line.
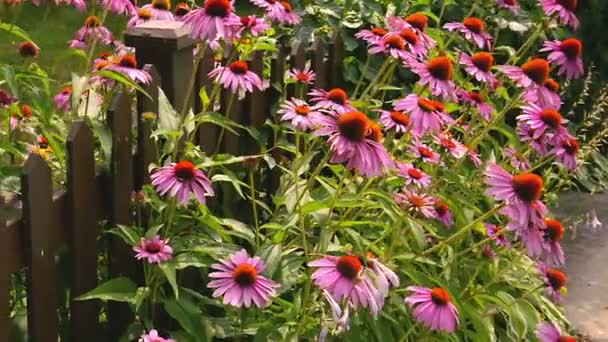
(44,221)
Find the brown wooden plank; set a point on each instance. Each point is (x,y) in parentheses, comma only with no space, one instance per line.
(5,275)
(36,187)
(235,112)
(83,231)
(336,61)
(257,103)
(277,75)
(207,133)
(319,64)
(298,61)
(146,149)
(121,184)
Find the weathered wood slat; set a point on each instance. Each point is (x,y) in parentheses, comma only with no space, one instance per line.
(37,191)
(83,231)
(336,61)
(207,133)
(5,275)
(319,62)
(146,149)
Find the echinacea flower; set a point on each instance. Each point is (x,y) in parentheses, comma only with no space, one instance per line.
(153,336)
(566,152)
(443,213)
(554,234)
(344,278)
(424,114)
(551,98)
(300,115)
(531,237)
(473,156)
(125,7)
(511,5)
(80,5)
(479,65)
(395,120)
(474,98)
(451,145)
(414,43)
(527,136)
(349,142)
(282,12)
(26,111)
(498,234)
(181,179)
(215,21)
(161,10)
(416,203)
(63,100)
(41,147)
(555,281)
(28,49)
(473,30)
(304,76)
(154,250)
(373,36)
(532,77)
(518,161)
(413,175)
(567,55)
(433,308)
(423,152)
(336,99)
(142,16)
(127,65)
(392,45)
(543,120)
(180,11)
(239,279)
(6,99)
(437,74)
(340,317)
(547,332)
(237,77)
(92,30)
(417,22)
(384,277)
(564,9)
(253,25)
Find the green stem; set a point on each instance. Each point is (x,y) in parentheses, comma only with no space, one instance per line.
(527,44)
(223,130)
(360,81)
(379,76)
(254,208)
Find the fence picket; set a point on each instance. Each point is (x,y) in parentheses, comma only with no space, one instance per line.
(37,189)
(146,149)
(336,61)
(83,230)
(5,275)
(319,62)
(207,133)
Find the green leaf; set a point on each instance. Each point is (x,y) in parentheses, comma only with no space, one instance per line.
(239,229)
(168,269)
(16,31)
(168,118)
(121,78)
(118,289)
(188,315)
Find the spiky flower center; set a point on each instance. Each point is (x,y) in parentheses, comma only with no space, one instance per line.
(474,24)
(552,85)
(400,118)
(537,70)
(572,48)
(375,132)
(245,274)
(571,146)
(355,126)
(551,118)
(566,339)
(414,173)
(161,4)
(153,246)
(287,6)
(302,76)
(28,49)
(217,8)
(426,105)
(425,152)
(379,31)
(441,208)
(416,201)
(337,95)
(182,9)
(43,142)
(100,65)
(239,67)
(440,296)
(418,20)
(247,20)
(410,36)
(302,110)
(184,170)
(528,186)
(570,5)
(92,21)
(511,2)
(440,107)
(66,91)
(144,13)
(26,111)
(440,68)
(394,41)
(447,143)
(128,61)
(476,97)
(483,61)
(554,230)
(557,278)
(349,266)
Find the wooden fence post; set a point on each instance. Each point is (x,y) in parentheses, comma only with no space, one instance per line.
(336,61)
(37,189)
(319,62)
(5,276)
(122,262)
(257,102)
(166,45)
(207,133)
(146,149)
(83,231)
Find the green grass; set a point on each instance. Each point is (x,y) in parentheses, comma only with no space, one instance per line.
(50,27)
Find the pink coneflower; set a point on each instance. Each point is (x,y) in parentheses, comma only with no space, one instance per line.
(181,179)
(498,234)
(304,76)
(479,65)
(532,76)
(384,276)
(127,65)
(215,21)
(28,49)
(63,100)
(433,308)
(300,115)
(555,281)
(161,10)
(423,152)
(339,316)
(567,54)
(6,99)
(344,277)
(125,7)
(181,10)
(93,30)
(349,142)
(80,5)
(566,152)
(142,16)
(543,120)
(392,45)
(413,175)
(553,235)
(253,25)
(547,332)
(395,120)
(373,36)
(154,250)
(414,43)
(152,336)
(474,98)
(443,213)
(517,161)
(473,30)
(336,99)
(550,98)
(238,278)
(451,145)
(511,5)
(488,252)
(417,22)
(531,237)
(474,156)
(527,136)
(280,11)
(564,9)
(424,114)
(237,77)
(416,203)
(437,74)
